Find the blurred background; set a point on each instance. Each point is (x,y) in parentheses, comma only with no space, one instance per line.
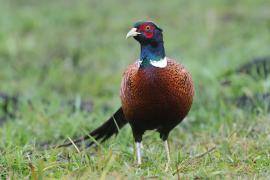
(61,64)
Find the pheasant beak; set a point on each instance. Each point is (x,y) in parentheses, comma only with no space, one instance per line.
(133,32)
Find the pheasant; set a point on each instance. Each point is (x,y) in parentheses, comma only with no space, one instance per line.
(156,92)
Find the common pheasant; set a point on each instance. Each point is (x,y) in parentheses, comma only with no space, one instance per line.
(156,92)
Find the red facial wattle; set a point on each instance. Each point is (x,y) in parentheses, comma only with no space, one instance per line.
(147,30)
(148,34)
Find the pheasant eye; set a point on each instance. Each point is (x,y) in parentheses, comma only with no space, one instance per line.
(147,28)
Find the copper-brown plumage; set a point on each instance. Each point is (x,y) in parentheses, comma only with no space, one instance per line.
(156,98)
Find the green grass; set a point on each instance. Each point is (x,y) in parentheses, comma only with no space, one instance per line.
(65,50)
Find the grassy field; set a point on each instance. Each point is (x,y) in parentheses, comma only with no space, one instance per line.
(55,52)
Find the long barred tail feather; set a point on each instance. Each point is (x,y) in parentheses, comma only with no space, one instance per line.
(105,131)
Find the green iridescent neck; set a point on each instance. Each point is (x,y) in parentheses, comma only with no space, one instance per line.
(151,52)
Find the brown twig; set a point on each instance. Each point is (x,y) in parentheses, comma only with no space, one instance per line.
(207,152)
(196,157)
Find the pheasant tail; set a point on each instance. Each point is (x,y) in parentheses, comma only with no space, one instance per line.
(105,131)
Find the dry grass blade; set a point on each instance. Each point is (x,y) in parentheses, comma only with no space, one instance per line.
(77,149)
